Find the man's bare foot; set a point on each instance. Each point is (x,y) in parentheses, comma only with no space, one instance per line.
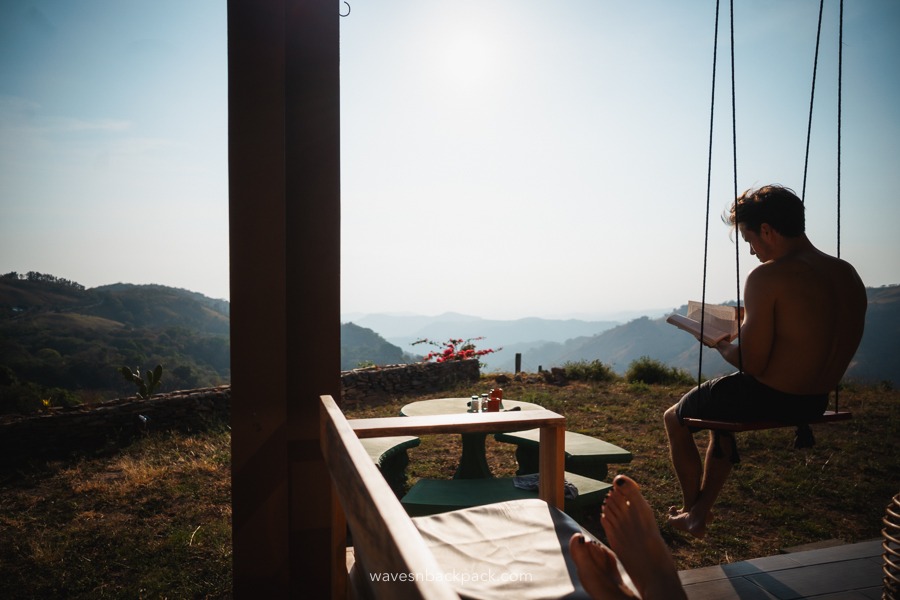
(633,534)
(598,570)
(675,511)
(686,522)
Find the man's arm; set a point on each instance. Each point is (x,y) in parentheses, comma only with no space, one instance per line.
(758,327)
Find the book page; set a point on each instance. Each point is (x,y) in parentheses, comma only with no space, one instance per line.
(718,317)
(711,335)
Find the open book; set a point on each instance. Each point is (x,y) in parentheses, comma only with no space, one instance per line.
(721,322)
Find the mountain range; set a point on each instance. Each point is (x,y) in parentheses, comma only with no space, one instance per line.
(63,343)
(543,343)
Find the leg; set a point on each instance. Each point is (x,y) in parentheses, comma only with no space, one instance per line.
(473,460)
(685,458)
(633,534)
(695,517)
(726,398)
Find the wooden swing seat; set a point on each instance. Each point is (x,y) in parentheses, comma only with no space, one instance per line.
(828,416)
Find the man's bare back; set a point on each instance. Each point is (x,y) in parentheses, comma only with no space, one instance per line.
(818,305)
(804,314)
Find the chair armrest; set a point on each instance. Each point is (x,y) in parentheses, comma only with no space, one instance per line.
(382,531)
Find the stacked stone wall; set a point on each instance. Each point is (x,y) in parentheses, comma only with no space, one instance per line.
(415,379)
(58,432)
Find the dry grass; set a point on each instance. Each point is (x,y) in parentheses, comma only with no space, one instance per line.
(154,520)
(776,498)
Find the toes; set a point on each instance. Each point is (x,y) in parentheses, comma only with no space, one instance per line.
(627,486)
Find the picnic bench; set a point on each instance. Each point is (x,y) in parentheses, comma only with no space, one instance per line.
(586,466)
(396,556)
(585,455)
(390,455)
(432,496)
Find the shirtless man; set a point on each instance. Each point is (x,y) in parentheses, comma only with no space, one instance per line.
(804,313)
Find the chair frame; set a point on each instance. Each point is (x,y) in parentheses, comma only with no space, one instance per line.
(385,540)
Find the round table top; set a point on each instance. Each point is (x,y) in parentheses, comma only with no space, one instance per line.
(449,406)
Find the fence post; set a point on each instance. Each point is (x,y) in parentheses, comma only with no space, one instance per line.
(518,362)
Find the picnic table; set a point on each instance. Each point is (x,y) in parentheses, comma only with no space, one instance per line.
(473,459)
(473,484)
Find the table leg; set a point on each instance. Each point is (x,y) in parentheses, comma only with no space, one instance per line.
(473,461)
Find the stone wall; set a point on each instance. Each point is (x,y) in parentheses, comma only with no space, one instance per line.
(415,379)
(60,431)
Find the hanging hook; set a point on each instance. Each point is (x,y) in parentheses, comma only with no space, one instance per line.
(348,10)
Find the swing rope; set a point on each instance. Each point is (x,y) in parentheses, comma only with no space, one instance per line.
(712,108)
(734,154)
(737,237)
(812,97)
(839,94)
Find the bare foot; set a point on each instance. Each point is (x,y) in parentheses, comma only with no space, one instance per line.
(673,510)
(677,514)
(598,569)
(630,526)
(686,522)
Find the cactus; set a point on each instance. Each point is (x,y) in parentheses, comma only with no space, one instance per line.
(145,388)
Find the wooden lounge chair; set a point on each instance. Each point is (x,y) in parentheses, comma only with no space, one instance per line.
(396,556)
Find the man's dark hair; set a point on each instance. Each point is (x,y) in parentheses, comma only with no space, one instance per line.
(776,205)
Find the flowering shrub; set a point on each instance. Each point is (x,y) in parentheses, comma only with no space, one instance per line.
(454,349)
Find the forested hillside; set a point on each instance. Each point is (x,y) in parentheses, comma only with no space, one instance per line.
(61,343)
(64,344)
(363,347)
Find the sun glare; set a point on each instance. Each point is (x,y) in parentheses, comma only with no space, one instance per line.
(467,59)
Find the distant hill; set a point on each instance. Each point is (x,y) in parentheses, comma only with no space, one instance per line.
(507,337)
(64,343)
(551,342)
(362,347)
(878,357)
(876,360)
(405,329)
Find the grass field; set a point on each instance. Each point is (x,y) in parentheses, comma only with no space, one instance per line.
(154,519)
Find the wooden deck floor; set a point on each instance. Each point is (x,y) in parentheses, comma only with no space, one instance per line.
(846,572)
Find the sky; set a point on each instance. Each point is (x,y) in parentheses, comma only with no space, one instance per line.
(499,159)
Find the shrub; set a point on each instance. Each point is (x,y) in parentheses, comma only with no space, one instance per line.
(638,387)
(650,371)
(145,387)
(589,371)
(454,349)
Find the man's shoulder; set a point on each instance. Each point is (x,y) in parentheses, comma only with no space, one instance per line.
(768,272)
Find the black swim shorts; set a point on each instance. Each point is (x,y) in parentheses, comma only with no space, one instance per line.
(741,398)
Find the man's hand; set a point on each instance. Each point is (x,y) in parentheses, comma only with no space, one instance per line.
(722,346)
(729,351)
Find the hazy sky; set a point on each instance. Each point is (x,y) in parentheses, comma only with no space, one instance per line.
(501,159)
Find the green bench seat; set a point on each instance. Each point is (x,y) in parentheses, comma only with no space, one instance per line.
(585,455)
(390,456)
(431,496)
